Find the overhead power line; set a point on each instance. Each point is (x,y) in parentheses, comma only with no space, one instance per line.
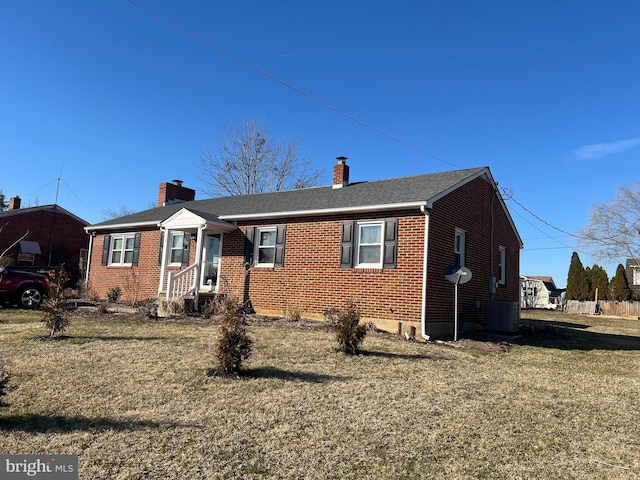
(288,85)
(507,192)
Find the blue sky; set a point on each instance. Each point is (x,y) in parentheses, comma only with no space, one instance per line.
(114,101)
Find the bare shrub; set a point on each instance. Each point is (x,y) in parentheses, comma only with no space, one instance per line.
(89,292)
(113,295)
(5,376)
(131,285)
(234,343)
(148,308)
(55,307)
(214,306)
(292,314)
(102,308)
(349,333)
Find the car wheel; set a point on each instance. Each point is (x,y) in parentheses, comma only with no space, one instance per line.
(30,297)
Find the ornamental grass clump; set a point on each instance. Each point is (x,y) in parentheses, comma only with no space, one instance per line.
(349,333)
(234,343)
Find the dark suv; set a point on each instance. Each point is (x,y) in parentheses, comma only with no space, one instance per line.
(21,288)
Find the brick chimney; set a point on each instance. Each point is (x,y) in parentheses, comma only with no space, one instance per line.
(341,173)
(174,192)
(14,203)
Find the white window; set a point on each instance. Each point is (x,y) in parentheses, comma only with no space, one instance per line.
(265,246)
(636,275)
(502,265)
(122,248)
(177,248)
(459,248)
(369,244)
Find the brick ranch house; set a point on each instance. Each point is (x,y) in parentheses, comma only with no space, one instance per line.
(382,244)
(55,236)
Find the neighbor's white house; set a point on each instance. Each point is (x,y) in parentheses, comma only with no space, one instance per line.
(539,292)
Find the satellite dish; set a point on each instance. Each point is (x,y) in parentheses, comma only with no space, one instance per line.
(457,274)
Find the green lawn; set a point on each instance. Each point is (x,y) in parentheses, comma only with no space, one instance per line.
(133,400)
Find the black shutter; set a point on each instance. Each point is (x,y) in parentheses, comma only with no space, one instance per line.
(186,246)
(248,246)
(346,249)
(390,243)
(281,233)
(161,248)
(136,250)
(105,249)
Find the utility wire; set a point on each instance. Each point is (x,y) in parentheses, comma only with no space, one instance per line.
(543,232)
(289,86)
(509,194)
(302,93)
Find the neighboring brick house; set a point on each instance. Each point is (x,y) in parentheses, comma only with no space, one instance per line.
(55,236)
(382,244)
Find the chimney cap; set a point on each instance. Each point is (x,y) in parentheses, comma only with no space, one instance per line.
(177,182)
(342,159)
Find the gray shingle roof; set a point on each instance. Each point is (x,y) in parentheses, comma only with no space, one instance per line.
(414,189)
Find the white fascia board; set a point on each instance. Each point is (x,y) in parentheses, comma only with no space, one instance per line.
(325,211)
(121,226)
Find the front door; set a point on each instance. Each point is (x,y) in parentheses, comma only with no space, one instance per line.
(211,262)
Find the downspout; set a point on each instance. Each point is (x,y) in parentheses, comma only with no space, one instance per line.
(163,264)
(199,247)
(423,320)
(86,275)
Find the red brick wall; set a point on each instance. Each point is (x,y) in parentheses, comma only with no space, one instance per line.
(136,283)
(312,280)
(470,208)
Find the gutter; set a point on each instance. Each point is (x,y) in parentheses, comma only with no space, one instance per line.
(324,211)
(121,226)
(423,321)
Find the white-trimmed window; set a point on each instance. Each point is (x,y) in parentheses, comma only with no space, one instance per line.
(122,249)
(265,246)
(459,247)
(177,247)
(502,264)
(369,244)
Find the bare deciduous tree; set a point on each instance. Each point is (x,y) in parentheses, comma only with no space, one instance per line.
(108,213)
(252,160)
(613,229)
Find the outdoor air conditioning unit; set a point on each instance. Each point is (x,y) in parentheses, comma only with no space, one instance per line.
(502,317)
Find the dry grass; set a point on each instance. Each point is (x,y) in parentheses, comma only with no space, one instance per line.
(133,400)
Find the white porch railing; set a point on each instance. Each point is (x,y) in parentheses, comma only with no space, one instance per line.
(183,283)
